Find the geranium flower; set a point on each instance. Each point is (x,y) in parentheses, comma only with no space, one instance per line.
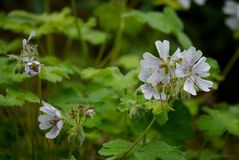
(193,68)
(52,118)
(231,8)
(149,90)
(32,68)
(187,3)
(161,67)
(90,112)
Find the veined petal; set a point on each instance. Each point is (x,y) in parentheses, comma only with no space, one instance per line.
(156,76)
(201,66)
(147,91)
(163,49)
(49,109)
(45,125)
(196,56)
(144,74)
(180,71)
(203,84)
(189,86)
(45,118)
(53,133)
(191,56)
(176,56)
(59,124)
(149,61)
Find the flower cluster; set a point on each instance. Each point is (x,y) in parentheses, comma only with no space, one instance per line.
(187,3)
(231,8)
(164,77)
(27,59)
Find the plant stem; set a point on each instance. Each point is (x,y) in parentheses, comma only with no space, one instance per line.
(39,88)
(116,46)
(139,138)
(83,43)
(100,54)
(230,64)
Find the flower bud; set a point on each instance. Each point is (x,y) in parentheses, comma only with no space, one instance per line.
(135,112)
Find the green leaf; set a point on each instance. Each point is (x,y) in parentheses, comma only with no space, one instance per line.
(166,22)
(52,74)
(178,128)
(110,21)
(184,40)
(114,148)
(216,122)
(159,150)
(18,97)
(11,78)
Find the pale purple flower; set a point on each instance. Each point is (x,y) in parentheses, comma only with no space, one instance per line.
(150,91)
(231,8)
(32,68)
(52,118)
(161,64)
(193,68)
(90,112)
(187,3)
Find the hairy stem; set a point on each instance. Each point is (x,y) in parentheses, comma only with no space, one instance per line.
(139,138)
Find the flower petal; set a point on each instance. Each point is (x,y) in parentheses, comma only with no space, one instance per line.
(45,125)
(200,2)
(201,66)
(185,3)
(49,109)
(45,118)
(156,77)
(144,74)
(180,71)
(176,56)
(230,8)
(147,91)
(189,86)
(149,61)
(203,84)
(232,23)
(53,133)
(163,49)
(191,56)
(59,124)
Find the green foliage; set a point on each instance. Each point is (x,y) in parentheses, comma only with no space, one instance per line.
(217,121)
(151,151)
(203,155)
(17,97)
(114,148)
(159,150)
(178,127)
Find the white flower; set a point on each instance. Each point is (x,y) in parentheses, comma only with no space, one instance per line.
(52,118)
(149,90)
(231,8)
(32,68)
(161,67)
(90,112)
(187,3)
(193,68)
